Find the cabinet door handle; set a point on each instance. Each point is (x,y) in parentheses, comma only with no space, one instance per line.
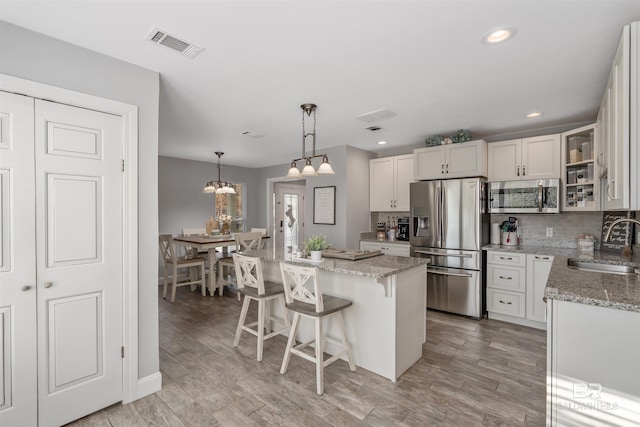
(505,302)
(611,196)
(25,288)
(524,170)
(442,168)
(518,171)
(447,168)
(600,159)
(506,278)
(48,284)
(542,257)
(508,258)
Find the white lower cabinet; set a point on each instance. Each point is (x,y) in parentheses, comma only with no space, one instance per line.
(387,248)
(593,373)
(506,302)
(515,287)
(538,268)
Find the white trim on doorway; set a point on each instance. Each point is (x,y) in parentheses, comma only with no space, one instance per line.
(132,388)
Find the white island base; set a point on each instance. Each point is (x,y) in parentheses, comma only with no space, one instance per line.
(386,325)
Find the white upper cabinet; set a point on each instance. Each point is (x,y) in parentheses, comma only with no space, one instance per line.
(389,179)
(528,158)
(462,160)
(505,160)
(616,119)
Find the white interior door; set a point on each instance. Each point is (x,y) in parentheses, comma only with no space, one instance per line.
(18,367)
(79,215)
(289,214)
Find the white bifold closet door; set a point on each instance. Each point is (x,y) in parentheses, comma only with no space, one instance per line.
(69,307)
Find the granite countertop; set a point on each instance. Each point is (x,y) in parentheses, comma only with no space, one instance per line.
(376,267)
(586,287)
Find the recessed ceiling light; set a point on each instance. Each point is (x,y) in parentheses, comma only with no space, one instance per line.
(534,114)
(382,142)
(498,35)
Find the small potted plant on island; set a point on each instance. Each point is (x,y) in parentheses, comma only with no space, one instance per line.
(315,245)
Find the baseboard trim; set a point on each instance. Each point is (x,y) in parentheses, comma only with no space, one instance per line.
(517,320)
(149,385)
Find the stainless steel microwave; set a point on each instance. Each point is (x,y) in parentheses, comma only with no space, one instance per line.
(531,196)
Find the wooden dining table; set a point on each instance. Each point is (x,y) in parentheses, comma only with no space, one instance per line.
(209,243)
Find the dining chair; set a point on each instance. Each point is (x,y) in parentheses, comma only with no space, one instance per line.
(253,287)
(244,241)
(260,230)
(170,260)
(193,232)
(303,295)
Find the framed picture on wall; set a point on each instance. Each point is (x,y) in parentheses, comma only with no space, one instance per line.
(324,205)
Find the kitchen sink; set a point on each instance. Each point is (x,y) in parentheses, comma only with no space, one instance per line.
(602,268)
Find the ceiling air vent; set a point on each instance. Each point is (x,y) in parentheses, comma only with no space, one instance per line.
(161,37)
(377,116)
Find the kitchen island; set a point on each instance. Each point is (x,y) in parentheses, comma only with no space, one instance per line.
(386,325)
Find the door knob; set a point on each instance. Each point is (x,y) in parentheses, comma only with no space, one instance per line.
(48,284)
(25,288)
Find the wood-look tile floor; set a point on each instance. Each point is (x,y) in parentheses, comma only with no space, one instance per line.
(472,373)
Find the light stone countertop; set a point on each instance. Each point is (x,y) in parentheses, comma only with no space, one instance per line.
(586,287)
(376,267)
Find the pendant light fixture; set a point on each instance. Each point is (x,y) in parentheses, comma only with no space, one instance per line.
(219,187)
(309,170)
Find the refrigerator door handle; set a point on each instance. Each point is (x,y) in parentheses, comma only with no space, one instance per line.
(447,273)
(443,217)
(438,197)
(442,254)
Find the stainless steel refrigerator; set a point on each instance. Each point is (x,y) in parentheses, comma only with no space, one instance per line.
(450,224)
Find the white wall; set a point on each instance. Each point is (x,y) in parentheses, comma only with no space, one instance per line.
(357,177)
(39,58)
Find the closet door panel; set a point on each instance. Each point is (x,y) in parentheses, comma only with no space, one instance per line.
(18,367)
(74,208)
(79,219)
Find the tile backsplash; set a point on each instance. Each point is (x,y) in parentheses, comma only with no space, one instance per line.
(566,226)
(384,216)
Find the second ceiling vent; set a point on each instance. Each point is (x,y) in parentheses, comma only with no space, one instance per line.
(161,37)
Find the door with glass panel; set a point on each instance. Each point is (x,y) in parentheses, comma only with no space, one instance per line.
(288,207)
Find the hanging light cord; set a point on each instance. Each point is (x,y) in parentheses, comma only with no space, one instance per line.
(308,108)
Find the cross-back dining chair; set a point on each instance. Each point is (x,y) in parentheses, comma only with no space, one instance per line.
(244,241)
(174,263)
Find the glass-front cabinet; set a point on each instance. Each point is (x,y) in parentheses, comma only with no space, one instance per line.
(580,171)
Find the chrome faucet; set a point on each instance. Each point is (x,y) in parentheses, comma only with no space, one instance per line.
(616,222)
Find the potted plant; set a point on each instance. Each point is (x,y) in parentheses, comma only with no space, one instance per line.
(315,245)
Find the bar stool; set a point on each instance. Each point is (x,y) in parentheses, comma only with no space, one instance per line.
(309,302)
(253,287)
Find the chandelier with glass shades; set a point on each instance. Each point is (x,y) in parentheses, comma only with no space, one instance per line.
(309,170)
(219,187)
